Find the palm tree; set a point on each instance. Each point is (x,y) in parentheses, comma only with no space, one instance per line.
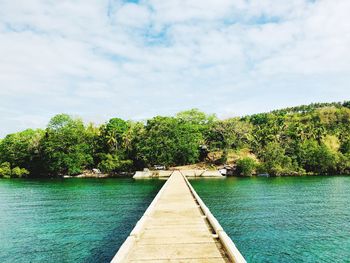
(112,140)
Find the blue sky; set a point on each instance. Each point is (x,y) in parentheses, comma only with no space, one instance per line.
(99,59)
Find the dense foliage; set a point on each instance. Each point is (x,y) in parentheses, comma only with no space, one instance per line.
(312,139)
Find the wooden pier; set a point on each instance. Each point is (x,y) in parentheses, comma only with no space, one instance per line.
(178,227)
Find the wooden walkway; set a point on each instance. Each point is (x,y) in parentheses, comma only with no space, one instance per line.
(175,229)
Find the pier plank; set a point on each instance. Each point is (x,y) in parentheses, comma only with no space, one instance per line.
(175,230)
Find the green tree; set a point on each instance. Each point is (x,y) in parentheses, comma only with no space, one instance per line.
(66,146)
(275,161)
(343,164)
(196,117)
(19,172)
(5,170)
(23,149)
(318,158)
(230,134)
(345,146)
(112,163)
(134,143)
(170,141)
(114,132)
(16,172)
(313,138)
(246,166)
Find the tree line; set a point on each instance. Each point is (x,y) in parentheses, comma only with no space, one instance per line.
(309,139)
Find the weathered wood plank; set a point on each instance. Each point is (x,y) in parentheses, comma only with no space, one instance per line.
(174,229)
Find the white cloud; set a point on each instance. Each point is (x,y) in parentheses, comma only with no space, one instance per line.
(174,11)
(99,59)
(132,15)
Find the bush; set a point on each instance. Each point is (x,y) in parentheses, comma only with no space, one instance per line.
(19,172)
(5,170)
(345,146)
(112,163)
(109,164)
(344,164)
(246,166)
(319,158)
(276,162)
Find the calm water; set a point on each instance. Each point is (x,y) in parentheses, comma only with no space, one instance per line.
(292,219)
(75,220)
(304,219)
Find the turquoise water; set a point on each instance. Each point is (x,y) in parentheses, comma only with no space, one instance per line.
(290,219)
(75,220)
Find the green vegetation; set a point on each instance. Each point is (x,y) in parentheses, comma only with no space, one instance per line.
(311,139)
(246,166)
(7,172)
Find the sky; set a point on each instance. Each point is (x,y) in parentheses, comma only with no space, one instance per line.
(99,59)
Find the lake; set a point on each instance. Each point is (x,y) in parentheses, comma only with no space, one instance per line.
(289,219)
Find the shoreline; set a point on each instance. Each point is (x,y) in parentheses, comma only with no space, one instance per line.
(131,175)
(161,174)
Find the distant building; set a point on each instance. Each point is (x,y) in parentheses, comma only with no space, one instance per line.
(159,167)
